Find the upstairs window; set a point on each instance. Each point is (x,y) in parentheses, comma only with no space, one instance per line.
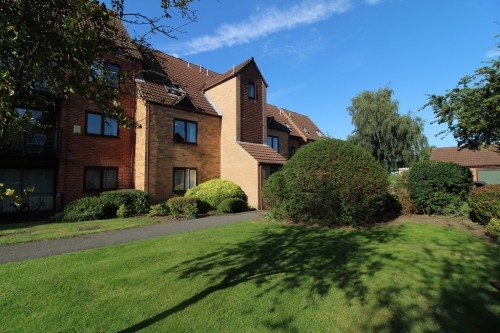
(113,75)
(273,142)
(97,124)
(251,90)
(184,179)
(185,131)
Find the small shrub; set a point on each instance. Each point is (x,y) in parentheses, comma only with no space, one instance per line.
(213,192)
(160,209)
(232,205)
(86,209)
(439,187)
(122,211)
(484,203)
(135,200)
(493,228)
(399,189)
(328,182)
(182,206)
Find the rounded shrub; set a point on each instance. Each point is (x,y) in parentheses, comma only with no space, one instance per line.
(439,187)
(183,207)
(135,200)
(87,209)
(328,182)
(213,192)
(160,209)
(232,205)
(493,228)
(484,203)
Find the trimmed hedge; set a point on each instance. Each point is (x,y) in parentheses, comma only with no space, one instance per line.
(493,228)
(328,182)
(136,201)
(484,203)
(232,205)
(86,209)
(213,192)
(439,187)
(183,207)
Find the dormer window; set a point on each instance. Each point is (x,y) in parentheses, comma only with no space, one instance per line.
(113,75)
(320,134)
(174,89)
(251,90)
(305,130)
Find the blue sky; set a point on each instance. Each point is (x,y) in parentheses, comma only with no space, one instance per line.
(316,55)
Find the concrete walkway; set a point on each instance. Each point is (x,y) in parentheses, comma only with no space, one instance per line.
(38,249)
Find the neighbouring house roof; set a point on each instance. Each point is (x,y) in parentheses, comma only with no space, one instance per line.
(300,125)
(170,81)
(232,73)
(124,41)
(465,157)
(263,153)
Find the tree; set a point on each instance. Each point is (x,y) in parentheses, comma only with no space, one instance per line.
(394,140)
(54,48)
(472,109)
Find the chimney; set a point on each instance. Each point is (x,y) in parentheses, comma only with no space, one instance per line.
(233,69)
(188,63)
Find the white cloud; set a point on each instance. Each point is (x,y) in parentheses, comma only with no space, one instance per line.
(492,53)
(269,21)
(374,2)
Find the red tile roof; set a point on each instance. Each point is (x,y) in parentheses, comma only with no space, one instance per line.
(123,40)
(465,157)
(263,153)
(159,68)
(232,73)
(300,124)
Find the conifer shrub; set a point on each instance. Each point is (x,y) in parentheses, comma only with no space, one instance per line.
(160,209)
(232,205)
(213,192)
(484,203)
(439,187)
(493,228)
(328,182)
(135,200)
(183,207)
(87,209)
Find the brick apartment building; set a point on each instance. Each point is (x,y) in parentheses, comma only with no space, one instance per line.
(193,125)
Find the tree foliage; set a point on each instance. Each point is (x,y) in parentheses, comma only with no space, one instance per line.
(54,48)
(472,109)
(394,140)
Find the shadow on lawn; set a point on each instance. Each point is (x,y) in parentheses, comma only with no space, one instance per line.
(319,259)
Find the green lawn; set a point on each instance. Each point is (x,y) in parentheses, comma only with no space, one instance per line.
(263,277)
(28,232)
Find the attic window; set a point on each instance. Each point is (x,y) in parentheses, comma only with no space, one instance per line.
(305,130)
(251,90)
(174,89)
(320,134)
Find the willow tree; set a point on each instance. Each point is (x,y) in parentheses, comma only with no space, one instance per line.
(394,140)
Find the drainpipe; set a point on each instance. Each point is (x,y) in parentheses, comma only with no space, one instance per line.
(146,150)
(261,204)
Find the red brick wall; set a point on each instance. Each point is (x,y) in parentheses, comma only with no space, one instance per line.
(251,109)
(80,150)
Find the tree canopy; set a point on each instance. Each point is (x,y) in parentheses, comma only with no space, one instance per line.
(394,140)
(472,109)
(54,48)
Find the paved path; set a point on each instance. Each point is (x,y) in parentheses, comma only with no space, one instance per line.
(38,249)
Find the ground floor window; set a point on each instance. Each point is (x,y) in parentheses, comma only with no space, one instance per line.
(42,180)
(98,179)
(184,179)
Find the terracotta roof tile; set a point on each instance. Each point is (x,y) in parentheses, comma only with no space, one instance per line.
(227,75)
(160,68)
(262,153)
(124,41)
(465,157)
(300,124)
(274,111)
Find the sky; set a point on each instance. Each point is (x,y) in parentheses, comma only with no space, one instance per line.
(316,55)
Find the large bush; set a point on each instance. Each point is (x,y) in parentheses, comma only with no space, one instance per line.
(484,203)
(328,182)
(86,209)
(213,192)
(439,187)
(136,201)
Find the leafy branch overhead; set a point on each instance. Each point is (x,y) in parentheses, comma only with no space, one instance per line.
(472,109)
(52,49)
